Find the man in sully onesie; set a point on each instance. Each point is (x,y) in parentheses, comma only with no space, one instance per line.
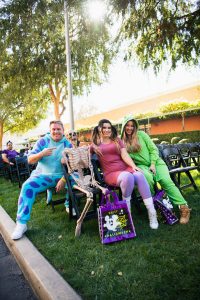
(47,153)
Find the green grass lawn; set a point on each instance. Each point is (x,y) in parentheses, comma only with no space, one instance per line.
(157,264)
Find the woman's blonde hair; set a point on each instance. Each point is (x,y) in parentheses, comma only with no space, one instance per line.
(132,142)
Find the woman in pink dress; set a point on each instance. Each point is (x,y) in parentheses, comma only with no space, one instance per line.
(119,169)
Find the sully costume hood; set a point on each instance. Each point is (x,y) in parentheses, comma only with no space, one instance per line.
(127,119)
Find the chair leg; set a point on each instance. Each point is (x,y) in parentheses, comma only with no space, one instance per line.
(191,180)
(179,178)
(95,202)
(176,182)
(52,206)
(73,204)
(136,201)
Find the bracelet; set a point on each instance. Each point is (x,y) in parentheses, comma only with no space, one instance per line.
(63,179)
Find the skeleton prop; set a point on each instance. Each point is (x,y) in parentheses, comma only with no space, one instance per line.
(77,159)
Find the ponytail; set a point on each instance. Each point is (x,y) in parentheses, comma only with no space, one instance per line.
(96,135)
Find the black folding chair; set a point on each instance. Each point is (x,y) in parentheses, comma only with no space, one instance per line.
(177,166)
(55,200)
(11,170)
(160,148)
(22,166)
(185,153)
(3,171)
(76,197)
(194,151)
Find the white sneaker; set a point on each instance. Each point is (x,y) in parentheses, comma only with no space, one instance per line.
(153,222)
(20,229)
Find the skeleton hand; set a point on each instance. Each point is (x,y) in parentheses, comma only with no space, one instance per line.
(104,190)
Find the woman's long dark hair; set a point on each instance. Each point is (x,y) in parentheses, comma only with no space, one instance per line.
(96,137)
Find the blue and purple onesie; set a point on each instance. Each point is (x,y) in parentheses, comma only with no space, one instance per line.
(48,172)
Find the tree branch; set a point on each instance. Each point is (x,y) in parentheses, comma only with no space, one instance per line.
(192,14)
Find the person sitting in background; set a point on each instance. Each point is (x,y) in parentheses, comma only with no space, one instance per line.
(28,149)
(9,154)
(119,169)
(47,152)
(146,156)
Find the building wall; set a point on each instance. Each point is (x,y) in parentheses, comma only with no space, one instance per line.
(150,104)
(161,127)
(175,125)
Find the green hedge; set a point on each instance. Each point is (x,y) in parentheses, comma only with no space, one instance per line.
(192,136)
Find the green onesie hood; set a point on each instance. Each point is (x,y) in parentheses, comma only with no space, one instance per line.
(127,119)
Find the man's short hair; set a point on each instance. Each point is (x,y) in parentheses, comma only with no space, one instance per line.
(56,122)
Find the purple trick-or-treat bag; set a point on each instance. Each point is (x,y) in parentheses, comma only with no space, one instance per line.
(115,221)
(165,207)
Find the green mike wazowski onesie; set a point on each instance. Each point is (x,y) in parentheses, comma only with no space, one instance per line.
(149,155)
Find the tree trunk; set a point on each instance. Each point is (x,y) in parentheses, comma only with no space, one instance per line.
(56,109)
(55,97)
(1,134)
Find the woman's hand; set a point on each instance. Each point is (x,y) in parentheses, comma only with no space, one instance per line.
(135,169)
(152,168)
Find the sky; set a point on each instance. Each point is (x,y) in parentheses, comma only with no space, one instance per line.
(128,83)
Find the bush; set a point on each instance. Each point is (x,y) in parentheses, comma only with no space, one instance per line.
(191,136)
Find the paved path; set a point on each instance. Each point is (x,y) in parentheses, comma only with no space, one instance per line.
(46,282)
(13,285)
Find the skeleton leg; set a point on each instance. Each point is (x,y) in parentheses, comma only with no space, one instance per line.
(85,209)
(82,216)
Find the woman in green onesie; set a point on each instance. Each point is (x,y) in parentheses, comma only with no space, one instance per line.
(146,156)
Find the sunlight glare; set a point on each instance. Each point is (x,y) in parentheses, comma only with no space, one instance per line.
(96,9)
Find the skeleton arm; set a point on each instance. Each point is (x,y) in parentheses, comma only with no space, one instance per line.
(88,194)
(101,188)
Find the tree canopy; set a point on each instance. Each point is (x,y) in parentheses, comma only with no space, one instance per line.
(159,30)
(34,34)
(32,40)
(20,108)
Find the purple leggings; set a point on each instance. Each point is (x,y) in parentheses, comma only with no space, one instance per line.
(126,181)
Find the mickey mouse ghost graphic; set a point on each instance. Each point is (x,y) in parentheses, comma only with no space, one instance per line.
(112,223)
